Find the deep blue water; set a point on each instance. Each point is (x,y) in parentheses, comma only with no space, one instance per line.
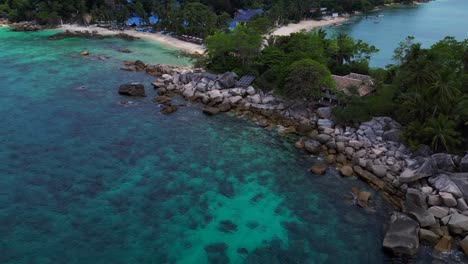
(427,22)
(84,179)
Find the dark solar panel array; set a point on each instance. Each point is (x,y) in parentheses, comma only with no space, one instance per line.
(246,80)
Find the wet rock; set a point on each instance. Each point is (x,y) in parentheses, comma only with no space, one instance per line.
(209,110)
(224,107)
(442,183)
(458,223)
(132,89)
(416,207)
(312,146)
(124,50)
(444,245)
(346,171)
(363,199)
(323,138)
(319,168)
(227,226)
(168,109)
(163,100)
(464,245)
(428,235)
(402,236)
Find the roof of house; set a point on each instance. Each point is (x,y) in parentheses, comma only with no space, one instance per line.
(363,83)
(246,15)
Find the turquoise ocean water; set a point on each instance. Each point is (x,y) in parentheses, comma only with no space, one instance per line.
(428,23)
(85,179)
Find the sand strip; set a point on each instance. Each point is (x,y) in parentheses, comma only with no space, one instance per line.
(307,25)
(184,46)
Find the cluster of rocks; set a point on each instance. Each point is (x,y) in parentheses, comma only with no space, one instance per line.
(155,70)
(26,27)
(88,35)
(73,34)
(431,190)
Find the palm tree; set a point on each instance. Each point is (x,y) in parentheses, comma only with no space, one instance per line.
(345,46)
(415,106)
(443,133)
(444,89)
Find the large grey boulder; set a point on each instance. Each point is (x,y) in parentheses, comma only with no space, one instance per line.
(215,95)
(235,99)
(254,99)
(227,80)
(464,164)
(428,235)
(448,199)
(379,170)
(413,174)
(402,236)
(312,146)
(461,180)
(250,90)
(324,112)
(323,138)
(444,162)
(439,211)
(132,89)
(442,183)
(415,206)
(392,135)
(458,223)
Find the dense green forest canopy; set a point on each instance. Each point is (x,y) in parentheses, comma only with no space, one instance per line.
(281,11)
(426,90)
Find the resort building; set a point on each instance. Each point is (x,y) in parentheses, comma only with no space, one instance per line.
(244,16)
(352,84)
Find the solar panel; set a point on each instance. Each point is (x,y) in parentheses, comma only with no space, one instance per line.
(246,80)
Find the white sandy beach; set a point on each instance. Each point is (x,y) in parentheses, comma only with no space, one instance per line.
(184,46)
(307,25)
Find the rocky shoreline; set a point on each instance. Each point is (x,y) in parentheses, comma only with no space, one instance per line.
(429,191)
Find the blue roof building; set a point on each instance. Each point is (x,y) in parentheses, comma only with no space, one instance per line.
(246,15)
(137,21)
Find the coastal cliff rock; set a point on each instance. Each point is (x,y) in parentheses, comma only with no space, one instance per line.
(429,188)
(132,89)
(402,236)
(75,34)
(26,27)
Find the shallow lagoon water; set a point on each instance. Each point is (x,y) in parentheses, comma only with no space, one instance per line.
(85,179)
(427,22)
